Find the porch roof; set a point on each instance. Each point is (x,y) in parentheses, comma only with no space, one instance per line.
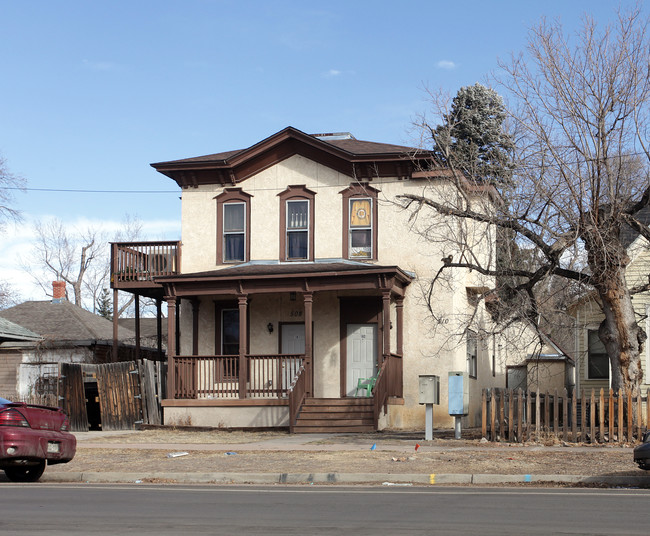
(267,277)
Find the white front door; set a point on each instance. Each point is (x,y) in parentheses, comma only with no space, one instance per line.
(293,339)
(361,354)
(293,342)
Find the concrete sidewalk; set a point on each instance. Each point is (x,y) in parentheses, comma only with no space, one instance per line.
(335,444)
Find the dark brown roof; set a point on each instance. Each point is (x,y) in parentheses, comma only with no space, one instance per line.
(63,322)
(354,147)
(361,160)
(360,147)
(326,269)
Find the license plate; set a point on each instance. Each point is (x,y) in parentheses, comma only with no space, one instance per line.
(53,447)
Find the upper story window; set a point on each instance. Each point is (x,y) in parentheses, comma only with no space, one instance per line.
(297,230)
(233,226)
(234,232)
(297,224)
(360,222)
(597,359)
(472,354)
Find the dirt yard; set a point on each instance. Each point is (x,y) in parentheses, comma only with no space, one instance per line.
(266,452)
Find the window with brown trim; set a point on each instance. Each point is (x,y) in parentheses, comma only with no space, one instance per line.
(297,224)
(472,354)
(233,226)
(360,222)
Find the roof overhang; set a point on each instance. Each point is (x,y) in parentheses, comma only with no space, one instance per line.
(236,166)
(288,277)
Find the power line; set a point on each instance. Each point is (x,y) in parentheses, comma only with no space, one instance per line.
(92,191)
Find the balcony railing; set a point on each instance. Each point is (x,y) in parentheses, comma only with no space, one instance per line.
(217,377)
(137,263)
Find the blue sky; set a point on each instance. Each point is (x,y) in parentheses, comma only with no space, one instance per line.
(93,92)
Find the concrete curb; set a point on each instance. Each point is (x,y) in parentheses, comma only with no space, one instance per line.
(341,478)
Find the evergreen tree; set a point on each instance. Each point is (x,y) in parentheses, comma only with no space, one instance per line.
(472,138)
(104,305)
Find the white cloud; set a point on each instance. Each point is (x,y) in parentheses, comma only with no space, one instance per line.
(104,66)
(332,73)
(446,64)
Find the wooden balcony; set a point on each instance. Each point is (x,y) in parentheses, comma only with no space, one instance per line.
(135,264)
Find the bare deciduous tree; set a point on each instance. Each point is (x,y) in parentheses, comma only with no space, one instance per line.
(66,255)
(80,258)
(578,115)
(8,183)
(8,295)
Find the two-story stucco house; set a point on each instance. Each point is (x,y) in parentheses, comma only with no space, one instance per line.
(297,275)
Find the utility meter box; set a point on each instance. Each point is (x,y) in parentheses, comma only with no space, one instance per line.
(429,389)
(458,393)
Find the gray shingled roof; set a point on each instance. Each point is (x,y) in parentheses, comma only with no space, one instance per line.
(629,235)
(13,332)
(63,322)
(148,326)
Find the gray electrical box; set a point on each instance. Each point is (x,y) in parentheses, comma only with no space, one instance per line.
(458,393)
(429,389)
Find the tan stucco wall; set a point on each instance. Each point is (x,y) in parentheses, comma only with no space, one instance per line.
(225,417)
(430,346)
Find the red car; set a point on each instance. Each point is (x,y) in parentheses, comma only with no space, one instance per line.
(30,437)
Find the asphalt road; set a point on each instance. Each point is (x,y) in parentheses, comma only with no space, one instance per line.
(310,510)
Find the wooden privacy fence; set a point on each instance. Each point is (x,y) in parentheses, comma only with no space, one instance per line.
(128,393)
(595,417)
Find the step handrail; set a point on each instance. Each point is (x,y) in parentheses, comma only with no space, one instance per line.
(297,395)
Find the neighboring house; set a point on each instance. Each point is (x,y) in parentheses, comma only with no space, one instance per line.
(547,368)
(39,335)
(303,230)
(148,330)
(12,336)
(593,368)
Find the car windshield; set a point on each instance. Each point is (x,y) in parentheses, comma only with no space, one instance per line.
(4,401)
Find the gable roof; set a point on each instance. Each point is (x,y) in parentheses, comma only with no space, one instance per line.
(63,322)
(13,332)
(629,235)
(363,160)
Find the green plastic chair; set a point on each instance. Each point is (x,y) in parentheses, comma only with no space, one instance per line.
(366,384)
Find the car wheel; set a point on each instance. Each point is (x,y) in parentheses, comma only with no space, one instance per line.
(28,473)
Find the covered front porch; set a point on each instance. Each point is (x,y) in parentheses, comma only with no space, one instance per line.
(252,345)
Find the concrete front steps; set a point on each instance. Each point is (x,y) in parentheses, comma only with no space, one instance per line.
(335,415)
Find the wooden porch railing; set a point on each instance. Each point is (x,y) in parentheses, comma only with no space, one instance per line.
(389,383)
(516,416)
(217,377)
(133,262)
(297,395)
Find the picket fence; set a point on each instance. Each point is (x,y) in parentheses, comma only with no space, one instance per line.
(518,416)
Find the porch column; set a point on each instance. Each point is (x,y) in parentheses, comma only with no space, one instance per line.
(196,304)
(137,326)
(243,350)
(171,347)
(309,352)
(399,309)
(159,326)
(115,326)
(385,299)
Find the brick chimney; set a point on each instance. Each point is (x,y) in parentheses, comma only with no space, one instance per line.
(58,291)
